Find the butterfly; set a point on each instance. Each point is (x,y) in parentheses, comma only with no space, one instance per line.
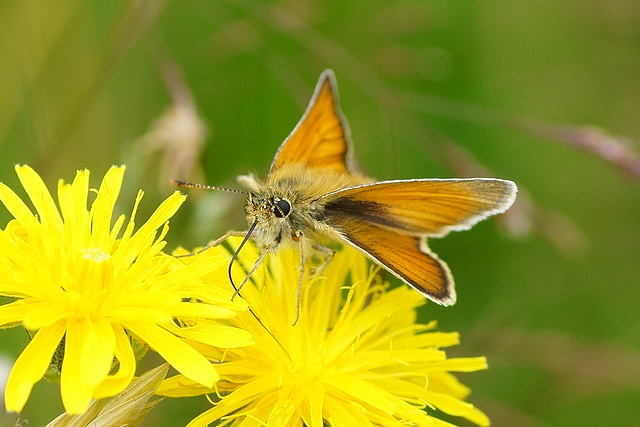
(314,195)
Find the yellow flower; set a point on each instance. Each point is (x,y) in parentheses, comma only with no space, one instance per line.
(356,357)
(83,285)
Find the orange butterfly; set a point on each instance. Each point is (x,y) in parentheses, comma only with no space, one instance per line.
(313,195)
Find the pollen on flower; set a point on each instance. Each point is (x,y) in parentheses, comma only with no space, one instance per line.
(95,254)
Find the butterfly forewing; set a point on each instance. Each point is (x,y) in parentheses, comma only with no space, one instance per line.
(424,207)
(320,139)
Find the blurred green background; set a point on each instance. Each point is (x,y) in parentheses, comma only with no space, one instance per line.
(205,91)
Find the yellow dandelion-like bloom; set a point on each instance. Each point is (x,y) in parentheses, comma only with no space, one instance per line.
(83,284)
(356,357)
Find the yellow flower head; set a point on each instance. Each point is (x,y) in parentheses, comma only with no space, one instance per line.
(82,283)
(356,357)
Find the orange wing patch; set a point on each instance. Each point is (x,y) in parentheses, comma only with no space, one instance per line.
(321,137)
(407,257)
(424,207)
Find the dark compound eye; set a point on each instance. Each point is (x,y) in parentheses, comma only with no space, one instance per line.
(281,208)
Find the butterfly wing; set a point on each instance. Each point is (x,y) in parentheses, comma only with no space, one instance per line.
(389,221)
(321,137)
(406,257)
(422,207)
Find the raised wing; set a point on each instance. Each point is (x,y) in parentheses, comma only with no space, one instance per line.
(321,137)
(420,207)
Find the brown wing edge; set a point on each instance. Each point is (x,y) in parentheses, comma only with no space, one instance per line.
(447,298)
(507,199)
(450,297)
(329,75)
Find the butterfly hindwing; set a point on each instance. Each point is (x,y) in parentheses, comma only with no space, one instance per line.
(407,257)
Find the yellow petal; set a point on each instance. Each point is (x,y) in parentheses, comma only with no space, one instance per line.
(208,417)
(215,335)
(196,269)
(12,313)
(112,182)
(162,214)
(180,355)
(214,295)
(361,390)
(341,413)
(315,396)
(102,208)
(98,347)
(447,403)
(430,339)
(73,204)
(76,392)
(461,364)
(80,190)
(284,409)
(31,365)
(43,314)
(189,309)
(15,205)
(179,386)
(119,380)
(40,196)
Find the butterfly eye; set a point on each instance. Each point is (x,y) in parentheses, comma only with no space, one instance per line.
(281,208)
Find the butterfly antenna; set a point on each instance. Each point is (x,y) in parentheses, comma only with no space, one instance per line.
(184,184)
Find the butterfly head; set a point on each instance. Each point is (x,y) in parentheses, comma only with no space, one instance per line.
(271,212)
(267,208)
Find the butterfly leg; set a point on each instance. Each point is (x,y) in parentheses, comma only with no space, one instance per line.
(301,268)
(215,243)
(254,268)
(328,252)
